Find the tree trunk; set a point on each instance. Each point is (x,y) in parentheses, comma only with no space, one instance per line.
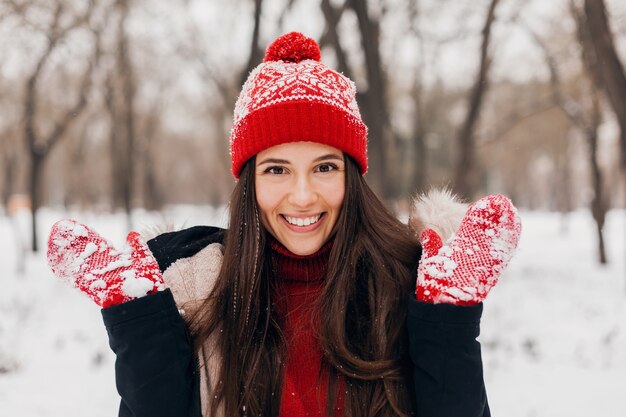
(417,156)
(116,163)
(416,159)
(465,176)
(255,56)
(592,65)
(598,206)
(375,107)
(610,67)
(126,74)
(332,16)
(39,147)
(599,203)
(152,198)
(36,167)
(10,165)
(75,177)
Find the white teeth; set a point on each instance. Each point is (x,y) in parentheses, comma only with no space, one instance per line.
(299,221)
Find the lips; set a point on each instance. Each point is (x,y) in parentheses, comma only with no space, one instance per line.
(302,221)
(303,224)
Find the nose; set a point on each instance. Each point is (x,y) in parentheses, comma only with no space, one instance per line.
(303,194)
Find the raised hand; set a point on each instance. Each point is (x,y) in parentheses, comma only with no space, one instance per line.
(81,257)
(468,265)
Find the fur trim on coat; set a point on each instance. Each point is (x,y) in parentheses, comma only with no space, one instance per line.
(439,210)
(191,281)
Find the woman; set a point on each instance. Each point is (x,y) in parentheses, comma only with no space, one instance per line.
(311,303)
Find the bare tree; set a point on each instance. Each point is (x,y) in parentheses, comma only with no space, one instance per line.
(77,156)
(8,161)
(333,15)
(464,179)
(374,106)
(256,53)
(126,73)
(610,67)
(120,90)
(226,85)
(115,144)
(283,14)
(599,204)
(416,157)
(153,198)
(40,145)
(585,116)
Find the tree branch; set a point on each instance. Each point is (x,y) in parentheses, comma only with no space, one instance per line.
(333,17)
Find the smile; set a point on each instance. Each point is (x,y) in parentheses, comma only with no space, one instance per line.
(302,221)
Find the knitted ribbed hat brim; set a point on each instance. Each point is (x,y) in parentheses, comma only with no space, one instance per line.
(298,121)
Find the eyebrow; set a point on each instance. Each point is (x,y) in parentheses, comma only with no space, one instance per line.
(284,161)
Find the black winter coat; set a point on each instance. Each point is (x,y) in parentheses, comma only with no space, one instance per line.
(157,374)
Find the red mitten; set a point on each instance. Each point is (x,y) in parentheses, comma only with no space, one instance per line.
(87,261)
(463,270)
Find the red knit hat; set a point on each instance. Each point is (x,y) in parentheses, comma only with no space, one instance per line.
(292,97)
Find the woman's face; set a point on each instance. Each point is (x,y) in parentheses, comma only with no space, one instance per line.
(299,191)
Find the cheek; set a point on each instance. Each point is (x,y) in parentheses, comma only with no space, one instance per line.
(263,211)
(337,200)
(261,200)
(334,197)
(266,200)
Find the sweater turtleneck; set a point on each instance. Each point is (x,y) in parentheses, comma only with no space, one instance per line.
(299,281)
(303,268)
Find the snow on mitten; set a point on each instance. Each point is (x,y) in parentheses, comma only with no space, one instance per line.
(463,270)
(81,257)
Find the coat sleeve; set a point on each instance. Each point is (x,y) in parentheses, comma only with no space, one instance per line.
(446,358)
(156,368)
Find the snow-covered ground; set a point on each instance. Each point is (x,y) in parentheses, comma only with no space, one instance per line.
(553,332)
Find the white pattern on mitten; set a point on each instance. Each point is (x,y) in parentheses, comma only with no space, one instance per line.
(81,257)
(463,270)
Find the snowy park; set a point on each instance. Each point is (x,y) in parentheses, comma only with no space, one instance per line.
(553,329)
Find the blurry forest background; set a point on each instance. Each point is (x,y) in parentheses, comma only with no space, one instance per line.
(109,105)
(117,113)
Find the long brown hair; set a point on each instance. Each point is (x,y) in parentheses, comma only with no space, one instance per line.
(367,283)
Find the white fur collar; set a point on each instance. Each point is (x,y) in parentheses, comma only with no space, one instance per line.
(439,210)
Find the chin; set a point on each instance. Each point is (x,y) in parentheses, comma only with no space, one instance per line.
(301,249)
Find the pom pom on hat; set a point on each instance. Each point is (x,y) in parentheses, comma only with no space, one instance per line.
(293,97)
(292,47)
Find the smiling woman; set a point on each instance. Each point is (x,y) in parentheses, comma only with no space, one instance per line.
(317,300)
(300,188)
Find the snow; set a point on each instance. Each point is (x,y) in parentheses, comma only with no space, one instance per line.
(77,230)
(90,249)
(481,204)
(135,287)
(553,329)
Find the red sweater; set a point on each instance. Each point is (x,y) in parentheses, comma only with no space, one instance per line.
(300,281)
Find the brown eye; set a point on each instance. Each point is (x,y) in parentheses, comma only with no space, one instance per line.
(275,170)
(326,167)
